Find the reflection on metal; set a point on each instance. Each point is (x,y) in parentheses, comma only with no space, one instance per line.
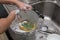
(48,9)
(42,1)
(29,1)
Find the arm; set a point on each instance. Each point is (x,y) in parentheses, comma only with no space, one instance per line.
(7,1)
(5,22)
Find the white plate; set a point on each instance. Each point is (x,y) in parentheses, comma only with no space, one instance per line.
(53,37)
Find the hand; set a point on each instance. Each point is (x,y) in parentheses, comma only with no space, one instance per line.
(12,15)
(23,6)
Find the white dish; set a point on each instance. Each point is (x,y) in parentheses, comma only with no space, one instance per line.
(53,37)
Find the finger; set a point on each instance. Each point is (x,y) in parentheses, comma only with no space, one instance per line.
(28,7)
(15,11)
(24,9)
(12,11)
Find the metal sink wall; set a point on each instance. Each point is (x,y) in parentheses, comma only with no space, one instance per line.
(53,11)
(49,9)
(56,15)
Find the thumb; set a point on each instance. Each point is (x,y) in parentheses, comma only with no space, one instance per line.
(15,11)
(12,14)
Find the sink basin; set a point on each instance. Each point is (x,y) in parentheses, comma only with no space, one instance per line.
(56,15)
(48,9)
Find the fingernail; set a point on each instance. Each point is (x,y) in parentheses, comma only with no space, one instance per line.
(17,11)
(26,5)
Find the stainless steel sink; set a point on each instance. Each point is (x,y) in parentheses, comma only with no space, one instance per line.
(56,15)
(52,12)
(47,9)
